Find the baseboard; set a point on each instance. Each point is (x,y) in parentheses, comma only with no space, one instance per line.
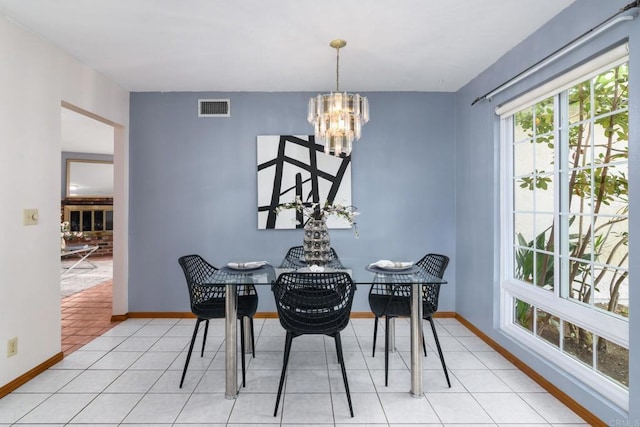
(266,315)
(160,314)
(580,410)
(258,315)
(369,315)
(24,378)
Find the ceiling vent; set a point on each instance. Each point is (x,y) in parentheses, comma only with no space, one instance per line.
(214,108)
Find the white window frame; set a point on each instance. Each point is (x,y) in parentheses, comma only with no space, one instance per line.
(603,325)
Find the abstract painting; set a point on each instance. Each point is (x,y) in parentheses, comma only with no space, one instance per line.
(290,166)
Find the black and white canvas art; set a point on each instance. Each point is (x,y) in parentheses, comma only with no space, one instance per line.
(290,166)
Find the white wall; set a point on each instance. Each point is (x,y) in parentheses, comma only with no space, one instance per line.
(35,78)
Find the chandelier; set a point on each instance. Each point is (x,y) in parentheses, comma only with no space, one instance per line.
(337,117)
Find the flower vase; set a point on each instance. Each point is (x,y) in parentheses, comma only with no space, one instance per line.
(63,243)
(317,246)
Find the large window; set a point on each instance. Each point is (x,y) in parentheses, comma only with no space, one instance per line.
(565,214)
(90,219)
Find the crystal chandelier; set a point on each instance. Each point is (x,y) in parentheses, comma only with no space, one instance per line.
(338,117)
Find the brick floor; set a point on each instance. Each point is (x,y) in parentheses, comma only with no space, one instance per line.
(86,315)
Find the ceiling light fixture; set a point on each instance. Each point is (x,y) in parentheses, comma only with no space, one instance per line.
(337,117)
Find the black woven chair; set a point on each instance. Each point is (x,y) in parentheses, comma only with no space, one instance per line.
(208,302)
(295,255)
(394,300)
(313,304)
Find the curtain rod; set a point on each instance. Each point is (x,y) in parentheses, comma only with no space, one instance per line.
(620,16)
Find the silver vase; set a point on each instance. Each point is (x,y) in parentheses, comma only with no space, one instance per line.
(316,243)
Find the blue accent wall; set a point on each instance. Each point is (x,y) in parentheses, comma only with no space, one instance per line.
(193,188)
(425,177)
(477,193)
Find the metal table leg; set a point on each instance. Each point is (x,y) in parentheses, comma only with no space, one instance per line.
(416,341)
(246,324)
(83,255)
(231,342)
(392,335)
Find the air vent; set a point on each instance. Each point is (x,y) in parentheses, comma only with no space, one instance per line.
(213,108)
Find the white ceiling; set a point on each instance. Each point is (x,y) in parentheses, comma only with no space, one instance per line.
(276,45)
(283,45)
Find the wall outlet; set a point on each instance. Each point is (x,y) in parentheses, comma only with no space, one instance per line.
(12,347)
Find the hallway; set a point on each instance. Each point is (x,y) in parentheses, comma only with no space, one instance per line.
(85,316)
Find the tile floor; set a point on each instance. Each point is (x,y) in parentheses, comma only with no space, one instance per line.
(129,376)
(85,316)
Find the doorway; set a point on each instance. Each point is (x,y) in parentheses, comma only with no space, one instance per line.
(86,226)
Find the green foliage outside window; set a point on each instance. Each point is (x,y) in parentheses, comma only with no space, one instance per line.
(594,217)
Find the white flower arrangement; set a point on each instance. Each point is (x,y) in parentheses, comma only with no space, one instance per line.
(66,233)
(318,212)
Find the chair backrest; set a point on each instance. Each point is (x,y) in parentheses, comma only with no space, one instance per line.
(297,252)
(203,293)
(294,253)
(435,265)
(314,303)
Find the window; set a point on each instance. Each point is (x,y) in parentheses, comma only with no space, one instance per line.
(565,237)
(90,219)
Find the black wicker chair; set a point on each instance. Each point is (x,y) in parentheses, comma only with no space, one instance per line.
(313,304)
(395,301)
(208,302)
(295,255)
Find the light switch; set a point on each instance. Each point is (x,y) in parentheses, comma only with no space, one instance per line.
(30,216)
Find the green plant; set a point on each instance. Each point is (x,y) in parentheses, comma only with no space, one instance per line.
(597,188)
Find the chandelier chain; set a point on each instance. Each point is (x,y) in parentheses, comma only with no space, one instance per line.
(337,69)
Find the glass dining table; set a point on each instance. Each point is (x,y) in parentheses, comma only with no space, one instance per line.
(267,274)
